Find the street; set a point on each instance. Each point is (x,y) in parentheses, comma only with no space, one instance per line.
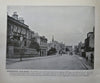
(54,62)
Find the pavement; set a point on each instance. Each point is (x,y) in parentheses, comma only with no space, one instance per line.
(54,62)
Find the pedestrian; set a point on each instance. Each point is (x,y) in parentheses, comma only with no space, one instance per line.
(60,52)
(92,58)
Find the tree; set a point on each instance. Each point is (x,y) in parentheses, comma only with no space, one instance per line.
(52,51)
(34,45)
(67,49)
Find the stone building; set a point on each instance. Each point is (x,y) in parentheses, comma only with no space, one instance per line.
(89,45)
(58,46)
(18,36)
(76,51)
(43,46)
(42,41)
(55,45)
(69,49)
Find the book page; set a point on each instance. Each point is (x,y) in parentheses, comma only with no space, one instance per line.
(49,41)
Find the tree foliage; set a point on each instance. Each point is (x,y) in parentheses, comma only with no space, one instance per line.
(52,51)
(34,45)
(67,49)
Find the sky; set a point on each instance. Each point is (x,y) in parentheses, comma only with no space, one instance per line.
(67,24)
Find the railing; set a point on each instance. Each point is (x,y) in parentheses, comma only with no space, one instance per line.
(26,51)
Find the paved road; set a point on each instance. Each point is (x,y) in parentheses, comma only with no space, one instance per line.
(54,62)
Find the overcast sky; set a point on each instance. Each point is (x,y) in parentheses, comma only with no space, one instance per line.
(68,24)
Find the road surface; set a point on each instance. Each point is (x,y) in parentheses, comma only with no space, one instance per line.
(54,62)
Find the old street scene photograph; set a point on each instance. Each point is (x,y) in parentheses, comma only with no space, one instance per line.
(50,37)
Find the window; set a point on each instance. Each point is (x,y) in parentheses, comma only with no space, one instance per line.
(15,28)
(25,43)
(19,29)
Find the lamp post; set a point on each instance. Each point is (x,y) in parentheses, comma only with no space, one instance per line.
(21,51)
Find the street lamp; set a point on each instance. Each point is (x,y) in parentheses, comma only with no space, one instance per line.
(21,45)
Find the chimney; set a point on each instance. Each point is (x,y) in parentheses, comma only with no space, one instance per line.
(15,15)
(21,19)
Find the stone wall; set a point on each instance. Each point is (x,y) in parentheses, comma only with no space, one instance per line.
(15,52)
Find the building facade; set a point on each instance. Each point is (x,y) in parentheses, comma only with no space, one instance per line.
(89,46)
(42,41)
(69,49)
(60,47)
(19,37)
(86,49)
(16,34)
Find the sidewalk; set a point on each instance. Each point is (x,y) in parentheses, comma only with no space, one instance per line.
(14,60)
(85,63)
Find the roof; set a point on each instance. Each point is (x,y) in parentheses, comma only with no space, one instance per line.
(90,33)
(43,37)
(11,19)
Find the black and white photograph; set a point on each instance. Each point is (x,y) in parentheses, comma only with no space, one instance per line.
(50,37)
